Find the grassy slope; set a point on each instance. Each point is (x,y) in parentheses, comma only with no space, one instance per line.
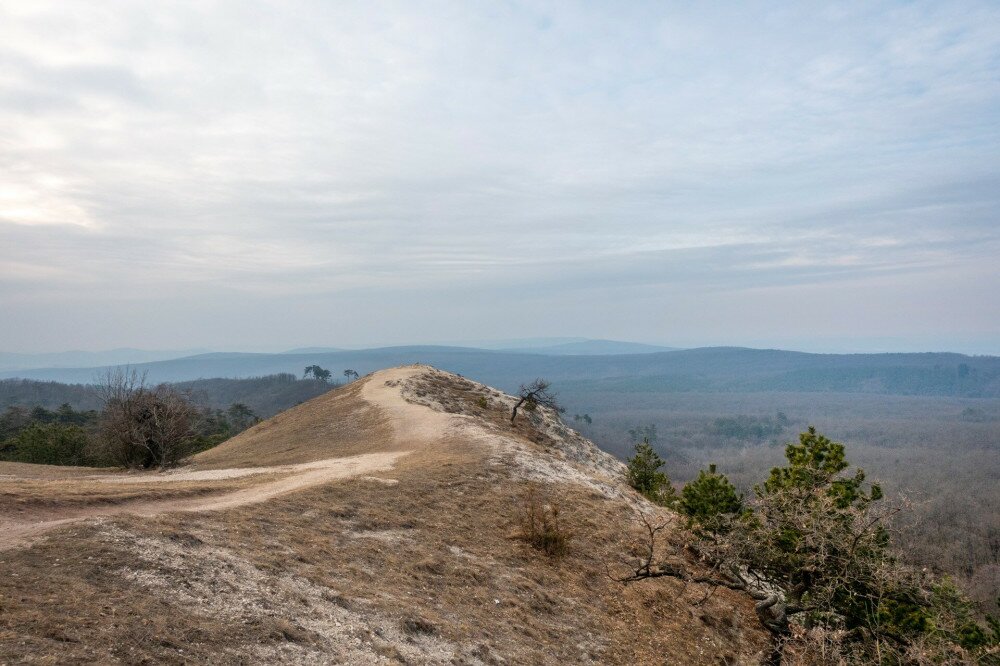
(422,567)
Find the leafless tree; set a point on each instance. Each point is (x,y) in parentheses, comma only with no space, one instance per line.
(533,395)
(142,426)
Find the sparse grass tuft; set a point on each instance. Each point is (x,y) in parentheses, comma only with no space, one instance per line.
(540,525)
(418,626)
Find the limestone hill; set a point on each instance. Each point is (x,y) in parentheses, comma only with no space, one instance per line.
(379,523)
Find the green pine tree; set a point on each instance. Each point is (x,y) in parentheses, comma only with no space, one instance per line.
(814,464)
(644,475)
(710,500)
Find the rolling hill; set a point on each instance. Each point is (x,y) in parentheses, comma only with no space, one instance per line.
(380,523)
(704,369)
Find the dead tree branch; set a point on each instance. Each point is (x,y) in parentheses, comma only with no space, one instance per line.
(533,395)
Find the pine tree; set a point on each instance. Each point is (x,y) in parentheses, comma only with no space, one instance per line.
(813,464)
(644,475)
(710,500)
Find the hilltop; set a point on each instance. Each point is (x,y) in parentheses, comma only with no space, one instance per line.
(377,523)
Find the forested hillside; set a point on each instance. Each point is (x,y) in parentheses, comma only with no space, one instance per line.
(265,395)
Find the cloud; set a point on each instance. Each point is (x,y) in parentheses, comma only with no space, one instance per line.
(314,151)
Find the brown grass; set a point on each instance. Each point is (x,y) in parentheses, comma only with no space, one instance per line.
(53,495)
(19,470)
(428,570)
(457,395)
(334,424)
(540,524)
(450,561)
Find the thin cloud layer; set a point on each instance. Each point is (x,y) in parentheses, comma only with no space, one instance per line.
(381,173)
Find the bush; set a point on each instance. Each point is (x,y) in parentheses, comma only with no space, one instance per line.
(49,444)
(710,500)
(142,427)
(68,437)
(643,474)
(541,527)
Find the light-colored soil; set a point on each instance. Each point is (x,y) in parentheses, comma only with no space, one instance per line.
(378,524)
(19,529)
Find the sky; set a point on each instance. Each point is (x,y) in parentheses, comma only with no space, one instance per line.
(257,176)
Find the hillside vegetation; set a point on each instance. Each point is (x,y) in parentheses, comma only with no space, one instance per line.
(194,416)
(941,454)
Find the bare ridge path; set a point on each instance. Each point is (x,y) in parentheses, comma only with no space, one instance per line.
(412,426)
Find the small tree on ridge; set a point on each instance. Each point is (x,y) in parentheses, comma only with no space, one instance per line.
(645,476)
(533,395)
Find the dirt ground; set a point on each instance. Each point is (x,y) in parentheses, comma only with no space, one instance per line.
(380,525)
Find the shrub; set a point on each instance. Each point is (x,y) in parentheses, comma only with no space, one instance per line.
(418,625)
(813,551)
(541,527)
(818,535)
(49,444)
(143,427)
(533,395)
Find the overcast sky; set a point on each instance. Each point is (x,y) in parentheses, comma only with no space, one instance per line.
(251,175)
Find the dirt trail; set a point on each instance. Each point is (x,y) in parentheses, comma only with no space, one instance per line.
(416,425)
(413,426)
(20,531)
(212,474)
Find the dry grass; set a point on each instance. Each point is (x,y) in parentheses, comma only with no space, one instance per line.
(54,495)
(427,570)
(19,470)
(335,424)
(457,395)
(540,524)
(286,575)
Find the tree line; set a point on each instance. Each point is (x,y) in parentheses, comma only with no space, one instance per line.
(138,426)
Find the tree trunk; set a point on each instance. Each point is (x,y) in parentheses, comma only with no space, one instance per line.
(516,407)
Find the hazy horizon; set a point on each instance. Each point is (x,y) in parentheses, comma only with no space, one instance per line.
(971,347)
(252,176)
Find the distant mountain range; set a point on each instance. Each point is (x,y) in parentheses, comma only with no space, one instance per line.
(591,348)
(77,359)
(313,350)
(563,346)
(704,369)
(10,361)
